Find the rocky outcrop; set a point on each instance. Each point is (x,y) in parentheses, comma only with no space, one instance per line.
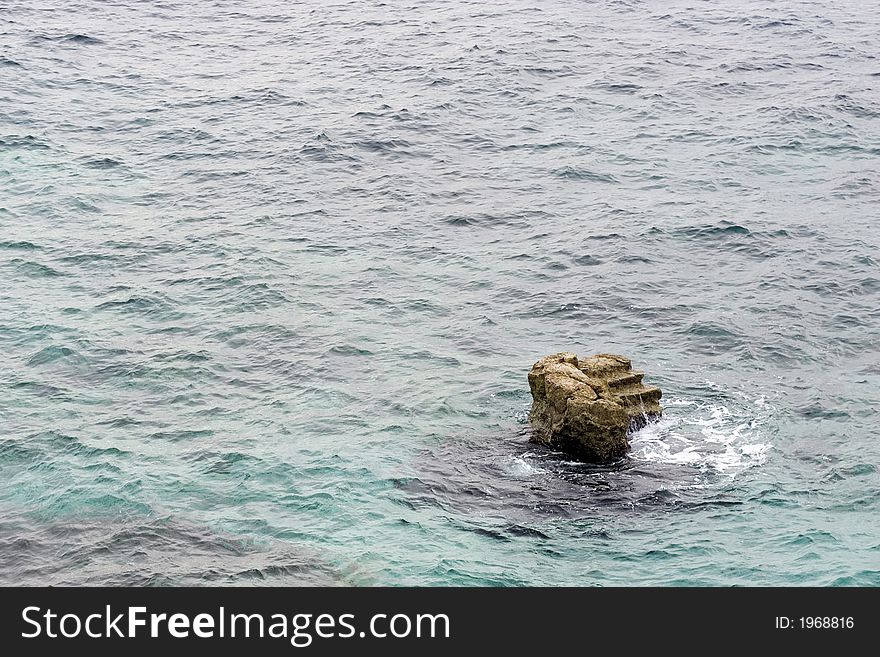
(587,407)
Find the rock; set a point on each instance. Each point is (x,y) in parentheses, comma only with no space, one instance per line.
(587,407)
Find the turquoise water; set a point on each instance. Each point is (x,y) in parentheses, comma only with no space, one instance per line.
(274,274)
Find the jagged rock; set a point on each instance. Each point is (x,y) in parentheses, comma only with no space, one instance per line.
(586,407)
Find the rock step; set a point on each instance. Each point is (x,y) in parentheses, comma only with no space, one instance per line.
(603,367)
(625,380)
(637,395)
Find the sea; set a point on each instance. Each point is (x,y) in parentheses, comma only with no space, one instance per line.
(272,276)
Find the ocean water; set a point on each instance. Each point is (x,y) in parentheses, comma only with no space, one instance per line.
(273,275)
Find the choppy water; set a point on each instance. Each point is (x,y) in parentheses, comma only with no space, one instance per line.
(274,273)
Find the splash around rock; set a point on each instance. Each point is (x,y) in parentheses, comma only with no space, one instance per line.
(587,407)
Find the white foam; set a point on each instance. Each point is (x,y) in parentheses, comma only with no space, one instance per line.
(710,438)
(519,468)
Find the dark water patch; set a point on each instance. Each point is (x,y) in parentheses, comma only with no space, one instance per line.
(384,145)
(142,305)
(526,484)
(55,440)
(848,321)
(323,149)
(424,306)
(182,435)
(210,283)
(854,107)
(601,237)
(460,221)
(184,356)
(586,175)
(83,39)
(487,533)
(369,115)
(587,260)
(775,497)
(17,452)
(539,147)
(101,163)
(328,249)
(348,350)
(96,258)
(20,246)
(855,503)
(493,221)
(811,538)
(133,549)
(53,353)
(40,448)
(723,501)
(256,296)
(722,230)
(179,135)
(67,39)
(859,470)
(816,411)
(84,206)
(33,269)
(864,578)
(263,336)
(231,463)
(122,422)
(525,532)
(617,87)
(42,389)
(23,141)
(541,71)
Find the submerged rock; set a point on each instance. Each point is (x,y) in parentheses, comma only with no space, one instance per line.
(586,407)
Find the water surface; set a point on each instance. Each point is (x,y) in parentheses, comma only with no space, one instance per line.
(274,273)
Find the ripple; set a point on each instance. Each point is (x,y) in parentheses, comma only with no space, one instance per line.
(573,173)
(33,269)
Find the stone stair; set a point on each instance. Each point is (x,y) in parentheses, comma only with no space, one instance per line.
(588,406)
(641,402)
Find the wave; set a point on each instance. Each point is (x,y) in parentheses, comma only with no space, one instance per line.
(709,437)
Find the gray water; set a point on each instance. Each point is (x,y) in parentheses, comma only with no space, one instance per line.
(273,275)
